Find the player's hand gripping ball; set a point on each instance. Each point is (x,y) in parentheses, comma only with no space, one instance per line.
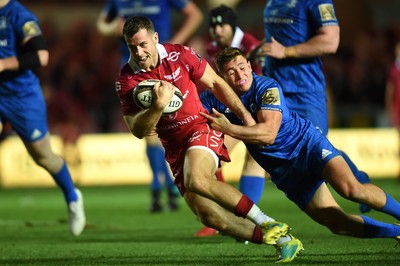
(143,96)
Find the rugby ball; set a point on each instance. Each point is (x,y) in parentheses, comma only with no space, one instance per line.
(143,96)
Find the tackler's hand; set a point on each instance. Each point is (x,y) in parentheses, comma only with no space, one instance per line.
(218,121)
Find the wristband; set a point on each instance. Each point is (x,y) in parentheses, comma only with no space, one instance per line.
(28,61)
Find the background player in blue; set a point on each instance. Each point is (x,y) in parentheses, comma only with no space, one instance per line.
(297,34)
(296,155)
(21,100)
(110,23)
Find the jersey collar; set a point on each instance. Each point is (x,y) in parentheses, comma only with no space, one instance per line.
(237,38)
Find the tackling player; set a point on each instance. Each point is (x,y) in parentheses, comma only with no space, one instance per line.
(298,157)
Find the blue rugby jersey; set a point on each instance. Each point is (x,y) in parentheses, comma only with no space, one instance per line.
(158,11)
(289,139)
(292,22)
(17,23)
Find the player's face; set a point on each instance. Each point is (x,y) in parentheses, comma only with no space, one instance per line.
(142,47)
(238,74)
(222,34)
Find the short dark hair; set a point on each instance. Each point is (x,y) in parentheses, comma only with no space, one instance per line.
(227,55)
(134,24)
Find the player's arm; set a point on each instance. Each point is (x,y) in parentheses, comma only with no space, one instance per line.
(225,94)
(262,133)
(193,19)
(144,122)
(326,41)
(109,27)
(33,54)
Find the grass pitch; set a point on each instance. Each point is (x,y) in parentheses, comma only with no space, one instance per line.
(121,231)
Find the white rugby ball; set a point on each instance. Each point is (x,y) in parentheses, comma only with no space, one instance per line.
(143,96)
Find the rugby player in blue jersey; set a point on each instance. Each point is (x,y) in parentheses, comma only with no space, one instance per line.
(22,104)
(110,23)
(299,158)
(297,34)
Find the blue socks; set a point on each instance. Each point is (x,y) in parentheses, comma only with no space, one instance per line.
(392,207)
(376,229)
(252,187)
(64,181)
(159,167)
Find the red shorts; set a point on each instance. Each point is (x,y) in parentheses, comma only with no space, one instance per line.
(202,136)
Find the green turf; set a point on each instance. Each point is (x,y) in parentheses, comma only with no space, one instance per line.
(121,231)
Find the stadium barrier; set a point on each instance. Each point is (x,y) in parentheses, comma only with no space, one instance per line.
(118,159)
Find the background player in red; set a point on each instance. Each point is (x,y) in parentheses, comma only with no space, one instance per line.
(192,148)
(393,89)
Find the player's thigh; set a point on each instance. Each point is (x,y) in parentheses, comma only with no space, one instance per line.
(340,177)
(200,165)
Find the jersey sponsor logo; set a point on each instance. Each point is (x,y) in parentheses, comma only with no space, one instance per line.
(173,75)
(325,153)
(327,12)
(278,20)
(3,43)
(31,28)
(184,122)
(173,56)
(271,97)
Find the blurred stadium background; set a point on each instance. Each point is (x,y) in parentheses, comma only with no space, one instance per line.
(86,122)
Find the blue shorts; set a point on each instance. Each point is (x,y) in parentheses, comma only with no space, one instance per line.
(312,106)
(27,115)
(301,176)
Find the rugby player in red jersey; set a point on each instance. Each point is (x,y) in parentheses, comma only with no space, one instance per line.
(192,148)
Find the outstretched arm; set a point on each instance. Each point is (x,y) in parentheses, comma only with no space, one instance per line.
(262,133)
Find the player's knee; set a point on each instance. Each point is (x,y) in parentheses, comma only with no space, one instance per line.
(351,191)
(197,184)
